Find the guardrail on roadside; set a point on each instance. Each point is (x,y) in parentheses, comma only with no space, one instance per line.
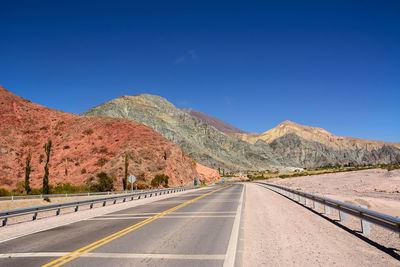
(67,195)
(365,215)
(4,215)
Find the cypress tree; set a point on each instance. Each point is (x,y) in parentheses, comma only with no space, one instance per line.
(47,149)
(28,170)
(125,179)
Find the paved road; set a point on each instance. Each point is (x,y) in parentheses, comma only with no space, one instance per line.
(195,229)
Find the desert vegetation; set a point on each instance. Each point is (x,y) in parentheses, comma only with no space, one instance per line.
(321,170)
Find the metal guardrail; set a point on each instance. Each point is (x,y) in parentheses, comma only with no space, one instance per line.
(67,195)
(366,215)
(4,215)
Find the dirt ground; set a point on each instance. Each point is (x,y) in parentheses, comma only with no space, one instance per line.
(376,189)
(281,232)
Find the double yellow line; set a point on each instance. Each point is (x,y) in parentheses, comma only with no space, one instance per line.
(94,245)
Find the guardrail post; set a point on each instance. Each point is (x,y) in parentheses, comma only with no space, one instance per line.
(124,200)
(365,225)
(108,192)
(91,205)
(34,216)
(4,223)
(12,197)
(58,212)
(115,201)
(131,198)
(76,208)
(104,203)
(138,197)
(327,209)
(315,204)
(151,194)
(307,202)
(342,216)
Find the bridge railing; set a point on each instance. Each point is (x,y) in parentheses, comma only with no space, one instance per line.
(4,215)
(365,215)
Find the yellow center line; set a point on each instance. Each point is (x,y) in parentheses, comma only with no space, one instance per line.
(74,254)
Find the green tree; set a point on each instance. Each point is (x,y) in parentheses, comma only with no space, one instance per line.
(125,179)
(104,183)
(28,170)
(47,149)
(160,179)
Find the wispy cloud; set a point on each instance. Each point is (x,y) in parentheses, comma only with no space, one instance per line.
(190,55)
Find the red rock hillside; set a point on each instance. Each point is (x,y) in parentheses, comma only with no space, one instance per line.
(82,146)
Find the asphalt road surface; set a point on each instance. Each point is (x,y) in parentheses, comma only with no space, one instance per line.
(199,228)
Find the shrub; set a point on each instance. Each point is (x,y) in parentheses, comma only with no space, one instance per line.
(101,162)
(66,147)
(35,191)
(103,150)
(104,183)
(160,179)
(83,171)
(141,185)
(88,131)
(4,192)
(141,177)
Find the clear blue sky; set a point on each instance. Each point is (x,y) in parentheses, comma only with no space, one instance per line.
(331,64)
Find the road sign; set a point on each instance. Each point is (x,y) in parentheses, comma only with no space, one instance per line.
(131,178)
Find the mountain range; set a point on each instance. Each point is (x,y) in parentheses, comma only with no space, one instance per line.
(217,144)
(83,146)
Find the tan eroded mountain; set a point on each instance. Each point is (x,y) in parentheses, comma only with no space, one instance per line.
(317,135)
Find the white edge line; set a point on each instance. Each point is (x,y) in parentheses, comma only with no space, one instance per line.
(230,255)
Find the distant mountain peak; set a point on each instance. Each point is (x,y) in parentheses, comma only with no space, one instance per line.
(217,123)
(315,134)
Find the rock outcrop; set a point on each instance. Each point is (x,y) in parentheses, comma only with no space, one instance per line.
(217,123)
(82,146)
(203,142)
(318,135)
(219,145)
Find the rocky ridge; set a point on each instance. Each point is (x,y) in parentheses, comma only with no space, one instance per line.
(83,146)
(203,142)
(287,145)
(316,134)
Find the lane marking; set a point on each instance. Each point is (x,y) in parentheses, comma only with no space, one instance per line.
(118,256)
(175,212)
(164,217)
(135,204)
(107,239)
(230,255)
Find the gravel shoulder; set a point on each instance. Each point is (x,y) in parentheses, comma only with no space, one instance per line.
(280,232)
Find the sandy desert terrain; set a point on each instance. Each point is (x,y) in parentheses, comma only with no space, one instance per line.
(377,189)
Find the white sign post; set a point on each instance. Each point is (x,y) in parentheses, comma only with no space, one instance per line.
(132,179)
